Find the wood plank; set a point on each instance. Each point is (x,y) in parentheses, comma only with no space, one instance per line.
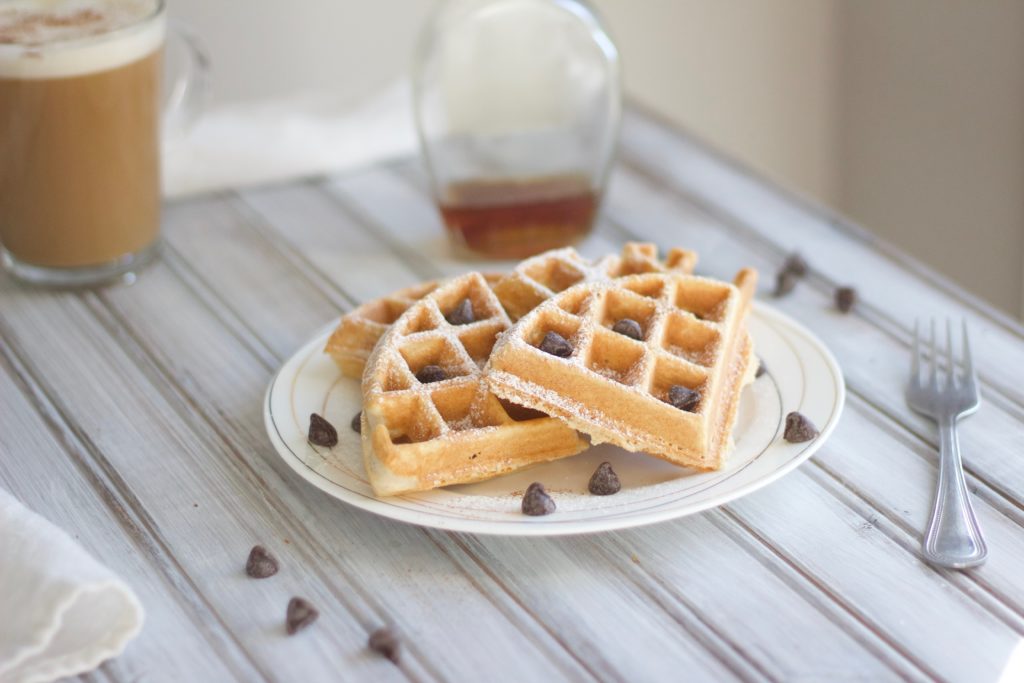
(888,291)
(875,365)
(189,486)
(902,597)
(347,546)
(905,494)
(45,466)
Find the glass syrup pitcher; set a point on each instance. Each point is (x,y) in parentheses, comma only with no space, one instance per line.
(517,106)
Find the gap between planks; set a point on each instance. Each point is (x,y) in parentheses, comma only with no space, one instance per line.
(125,507)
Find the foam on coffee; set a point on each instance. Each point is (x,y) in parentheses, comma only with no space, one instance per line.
(62,38)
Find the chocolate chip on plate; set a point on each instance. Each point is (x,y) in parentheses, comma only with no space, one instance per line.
(785,281)
(761,368)
(261,563)
(384,641)
(357,422)
(462,314)
(799,428)
(604,481)
(322,432)
(536,501)
(846,297)
(300,614)
(629,328)
(795,264)
(683,398)
(556,345)
(431,373)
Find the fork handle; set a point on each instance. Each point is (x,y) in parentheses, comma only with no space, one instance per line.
(953,538)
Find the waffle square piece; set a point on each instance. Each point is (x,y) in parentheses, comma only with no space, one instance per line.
(667,382)
(532,281)
(429,419)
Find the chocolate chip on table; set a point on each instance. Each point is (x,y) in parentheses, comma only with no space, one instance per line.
(785,281)
(629,328)
(261,563)
(799,429)
(536,501)
(761,368)
(604,481)
(322,432)
(462,314)
(795,264)
(846,297)
(556,345)
(683,398)
(384,641)
(300,614)
(357,423)
(431,373)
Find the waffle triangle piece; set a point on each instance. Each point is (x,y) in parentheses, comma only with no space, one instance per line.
(532,281)
(419,434)
(620,390)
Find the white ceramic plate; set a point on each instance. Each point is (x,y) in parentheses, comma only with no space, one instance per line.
(802,375)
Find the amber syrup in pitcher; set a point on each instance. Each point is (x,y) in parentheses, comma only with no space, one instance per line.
(508,219)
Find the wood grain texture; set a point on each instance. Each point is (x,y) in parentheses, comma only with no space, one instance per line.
(131,418)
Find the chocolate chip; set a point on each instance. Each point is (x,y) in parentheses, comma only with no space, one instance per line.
(536,501)
(357,423)
(384,641)
(261,563)
(683,398)
(431,373)
(556,345)
(795,264)
(846,297)
(799,428)
(761,368)
(604,481)
(629,328)
(300,614)
(322,432)
(462,314)
(785,281)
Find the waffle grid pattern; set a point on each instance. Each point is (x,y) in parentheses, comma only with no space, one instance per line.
(691,327)
(419,435)
(533,281)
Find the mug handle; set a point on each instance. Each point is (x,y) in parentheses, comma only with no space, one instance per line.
(186,93)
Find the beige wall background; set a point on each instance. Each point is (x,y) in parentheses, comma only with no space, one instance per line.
(908,116)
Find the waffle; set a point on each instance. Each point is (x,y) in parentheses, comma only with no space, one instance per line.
(533,281)
(615,389)
(418,436)
(539,278)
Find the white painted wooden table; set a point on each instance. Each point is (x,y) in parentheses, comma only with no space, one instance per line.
(132,418)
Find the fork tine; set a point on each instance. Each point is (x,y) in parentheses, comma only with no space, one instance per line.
(950,363)
(934,379)
(915,363)
(968,359)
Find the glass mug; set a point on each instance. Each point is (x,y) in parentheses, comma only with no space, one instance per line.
(80,119)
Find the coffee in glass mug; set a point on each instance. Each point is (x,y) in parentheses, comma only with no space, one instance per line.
(80,110)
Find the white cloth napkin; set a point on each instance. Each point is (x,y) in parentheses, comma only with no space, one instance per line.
(264,142)
(61,612)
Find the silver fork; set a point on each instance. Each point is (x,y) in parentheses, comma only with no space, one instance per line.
(953,538)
